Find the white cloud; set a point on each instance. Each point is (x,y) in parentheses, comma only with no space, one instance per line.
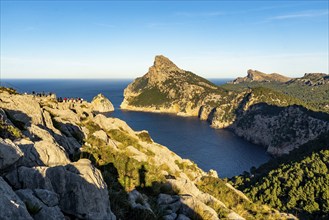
(305,14)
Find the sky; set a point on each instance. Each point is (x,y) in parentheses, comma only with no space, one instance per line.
(119,39)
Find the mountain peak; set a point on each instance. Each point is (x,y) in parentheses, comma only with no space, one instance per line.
(162,62)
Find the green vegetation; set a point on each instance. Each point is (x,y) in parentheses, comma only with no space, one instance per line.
(9,131)
(311,97)
(150,97)
(9,90)
(245,208)
(297,183)
(144,136)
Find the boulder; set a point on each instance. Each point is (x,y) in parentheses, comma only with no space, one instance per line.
(101,104)
(22,109)
(182,217)
(31,156)
(38,209)
(49,152)
(11,206)
(9,153)
(29,178)
(49,198)
(171,204)
(137,201)
(81,189)
(101,135)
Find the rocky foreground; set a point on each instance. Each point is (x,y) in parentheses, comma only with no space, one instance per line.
(65,161)
(264,116)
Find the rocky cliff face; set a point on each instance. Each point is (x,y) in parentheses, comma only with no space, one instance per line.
(166,88)
(257,76)
(48,158)
(39,180)
(270,119)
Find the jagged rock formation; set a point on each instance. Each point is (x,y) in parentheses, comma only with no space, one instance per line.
(40,180)
(101,104)
(257,76)
(166,88)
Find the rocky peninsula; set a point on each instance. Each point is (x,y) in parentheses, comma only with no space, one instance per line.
(261,114)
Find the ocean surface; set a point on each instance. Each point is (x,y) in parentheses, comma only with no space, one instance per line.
(189,137)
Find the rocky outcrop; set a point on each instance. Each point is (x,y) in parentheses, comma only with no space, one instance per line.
(38,208)
(280,129)
(311,79)
(38,134)
(257,76)
(74,184)
(9,153)
(12,207)
(101,104)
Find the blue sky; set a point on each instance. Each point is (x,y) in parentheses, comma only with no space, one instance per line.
(113,39)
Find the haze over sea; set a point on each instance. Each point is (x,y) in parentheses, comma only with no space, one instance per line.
(189,137)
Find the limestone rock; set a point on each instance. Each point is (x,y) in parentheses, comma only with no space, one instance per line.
(137,201)
(101,135)
(171,204)
(49,152)
(182,217)
(22,109)
(101,104)
(29,178)
(9,153)
(39,210)
(12,207)
(75,183)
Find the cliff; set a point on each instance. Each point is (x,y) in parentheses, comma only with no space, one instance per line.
(167,88)
(65,161)
(255,108)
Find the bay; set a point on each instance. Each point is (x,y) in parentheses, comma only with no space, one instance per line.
(217,149)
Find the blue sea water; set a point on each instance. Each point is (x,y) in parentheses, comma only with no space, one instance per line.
(189,137)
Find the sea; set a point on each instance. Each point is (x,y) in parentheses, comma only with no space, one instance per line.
(190,138)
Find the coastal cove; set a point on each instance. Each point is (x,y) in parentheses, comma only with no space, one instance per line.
(189,137)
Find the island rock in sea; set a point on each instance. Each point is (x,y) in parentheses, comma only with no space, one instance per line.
(264,116)
(64,161)
(101,104)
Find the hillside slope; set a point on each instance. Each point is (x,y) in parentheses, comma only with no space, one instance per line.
(297,183)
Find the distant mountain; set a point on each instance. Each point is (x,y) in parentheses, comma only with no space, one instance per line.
(257,76)
(311,79)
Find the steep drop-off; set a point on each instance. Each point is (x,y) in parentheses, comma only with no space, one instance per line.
(261,114)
